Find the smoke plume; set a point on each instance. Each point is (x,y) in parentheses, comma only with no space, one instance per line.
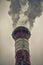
(23,11)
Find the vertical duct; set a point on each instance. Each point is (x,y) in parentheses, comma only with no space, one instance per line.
(21,35)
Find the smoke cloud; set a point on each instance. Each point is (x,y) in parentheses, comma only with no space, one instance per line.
(23,11)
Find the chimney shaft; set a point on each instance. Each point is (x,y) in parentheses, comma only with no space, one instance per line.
(21,35)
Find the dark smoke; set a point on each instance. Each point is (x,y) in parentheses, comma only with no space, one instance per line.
(30,9)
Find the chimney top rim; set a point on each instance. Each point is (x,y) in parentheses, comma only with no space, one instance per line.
(23,30)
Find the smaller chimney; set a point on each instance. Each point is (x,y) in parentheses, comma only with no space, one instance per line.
(21,35)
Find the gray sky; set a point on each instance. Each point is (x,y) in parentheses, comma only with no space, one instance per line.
(7,49)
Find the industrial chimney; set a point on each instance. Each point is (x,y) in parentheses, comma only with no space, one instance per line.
(21,35)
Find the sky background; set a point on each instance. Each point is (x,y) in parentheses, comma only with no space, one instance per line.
(7,46)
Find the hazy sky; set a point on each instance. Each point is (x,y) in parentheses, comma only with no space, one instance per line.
(7,49)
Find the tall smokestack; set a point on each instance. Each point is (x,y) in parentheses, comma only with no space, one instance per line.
(21,35)
(23,12)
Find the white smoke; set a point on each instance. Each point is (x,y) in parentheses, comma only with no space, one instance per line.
(23,11)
